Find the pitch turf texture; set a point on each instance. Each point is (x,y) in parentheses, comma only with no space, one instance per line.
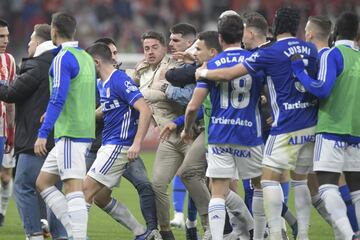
(101,226)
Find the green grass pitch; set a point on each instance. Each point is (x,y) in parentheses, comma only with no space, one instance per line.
(102,227)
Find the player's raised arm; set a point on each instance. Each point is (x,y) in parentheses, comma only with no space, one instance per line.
(322,86)
(223,74)
(144,122)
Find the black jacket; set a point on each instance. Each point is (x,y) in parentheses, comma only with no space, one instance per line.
(179,77)
(30,93)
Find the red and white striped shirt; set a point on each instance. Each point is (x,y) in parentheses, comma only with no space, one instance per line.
(7,76)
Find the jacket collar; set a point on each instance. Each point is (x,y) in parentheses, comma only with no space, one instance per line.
(43,47)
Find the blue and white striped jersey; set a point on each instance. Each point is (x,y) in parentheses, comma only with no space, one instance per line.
(235,116)
(117,97)
(293,108)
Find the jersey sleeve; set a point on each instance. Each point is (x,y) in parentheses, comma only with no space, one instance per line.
(331,66)
(204,83)
(257,61)
(127,90)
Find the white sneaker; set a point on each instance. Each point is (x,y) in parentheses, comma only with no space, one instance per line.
(178,221)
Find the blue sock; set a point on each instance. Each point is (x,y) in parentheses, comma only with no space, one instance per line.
(179,194)
(192,211)
(285,187)
(249,193)
(345,194)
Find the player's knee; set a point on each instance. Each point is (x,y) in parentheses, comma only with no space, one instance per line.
(327,178)
(5,178)
(145,188)
(353,180)
(40,185)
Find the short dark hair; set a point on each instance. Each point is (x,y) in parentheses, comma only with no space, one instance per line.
(286,20)
(346,26)
(211,40)
(256,20)
(43,31)
(184,28)
(153,35)
(3,23)
(100,50)
(231,28)
(323,24)
(106,40)
(65,24)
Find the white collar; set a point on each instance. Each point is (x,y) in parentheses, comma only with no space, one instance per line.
(43,47)
(232,48)
(345,42)
(284,38)
(70,44)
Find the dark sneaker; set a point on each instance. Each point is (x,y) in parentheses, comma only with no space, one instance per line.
(2,217)
(167,235)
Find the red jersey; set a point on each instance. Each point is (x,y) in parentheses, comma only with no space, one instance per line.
(7,76)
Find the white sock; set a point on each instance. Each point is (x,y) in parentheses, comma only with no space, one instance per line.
(319,205)
(259,214)
(273,198)
(355,198)
(78,214)
(190,224)
(178,218)
(238,208)
(56,201)
(122,215)
(336,208)
(217,218)
(39,237)
(303,207)
(6,191)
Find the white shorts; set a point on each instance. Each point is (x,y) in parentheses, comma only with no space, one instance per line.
(67,159)
(234,161)
(9,160)
(290,151)
(336,156)
(109,165)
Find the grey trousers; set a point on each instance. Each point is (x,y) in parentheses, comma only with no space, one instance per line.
(173,157)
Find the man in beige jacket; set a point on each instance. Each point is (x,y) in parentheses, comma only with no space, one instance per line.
(170,154)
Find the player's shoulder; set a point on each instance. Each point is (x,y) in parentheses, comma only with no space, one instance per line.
(8,59)
(9,55)
(211,62)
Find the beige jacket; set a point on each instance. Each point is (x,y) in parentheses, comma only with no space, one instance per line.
(163,109)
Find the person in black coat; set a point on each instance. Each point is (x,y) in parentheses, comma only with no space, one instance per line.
(30,93)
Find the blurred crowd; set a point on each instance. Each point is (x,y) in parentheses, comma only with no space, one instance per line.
(126,20)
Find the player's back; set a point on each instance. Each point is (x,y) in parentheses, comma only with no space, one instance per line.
(292,107)
(117,95)
(235,117)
